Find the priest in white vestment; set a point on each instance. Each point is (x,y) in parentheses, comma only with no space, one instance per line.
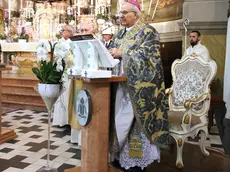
(60,115)
(196,46)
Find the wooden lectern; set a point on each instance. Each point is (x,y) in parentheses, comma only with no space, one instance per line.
(5,134)
(95,136)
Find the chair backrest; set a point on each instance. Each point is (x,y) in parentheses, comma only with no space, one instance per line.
(191,78)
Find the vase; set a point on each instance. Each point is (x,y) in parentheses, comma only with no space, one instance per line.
(49,94)
(100,21)
(28,23)
(21,41)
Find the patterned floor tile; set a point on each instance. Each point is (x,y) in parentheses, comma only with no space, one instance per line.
(28,152)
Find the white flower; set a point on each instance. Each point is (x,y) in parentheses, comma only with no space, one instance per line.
(42,50)
(59,68)
(61,52)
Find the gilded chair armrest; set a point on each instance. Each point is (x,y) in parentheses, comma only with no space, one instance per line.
(168,91)
(188,103)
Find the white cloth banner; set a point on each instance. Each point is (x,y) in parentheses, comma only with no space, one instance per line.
(226,73)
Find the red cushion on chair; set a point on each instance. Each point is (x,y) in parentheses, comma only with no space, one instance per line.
(216,100)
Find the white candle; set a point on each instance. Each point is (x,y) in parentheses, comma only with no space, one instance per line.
(155,9)
(142,7)
(78,8)
(21,4)
(91,2)
(150,7)
(9,10)
(120,3)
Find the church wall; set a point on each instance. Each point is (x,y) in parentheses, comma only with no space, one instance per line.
(210,18)
(205,10)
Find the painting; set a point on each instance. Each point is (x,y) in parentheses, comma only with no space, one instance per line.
(161,10)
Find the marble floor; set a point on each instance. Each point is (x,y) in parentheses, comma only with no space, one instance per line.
(27,153)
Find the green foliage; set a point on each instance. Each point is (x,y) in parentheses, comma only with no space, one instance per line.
(15,39)
(24,37)
(102,16)
(47,74)
(29,19)
(70,17)
(2,36)
(58,36)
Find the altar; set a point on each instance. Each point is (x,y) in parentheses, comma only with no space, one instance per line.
(21,56)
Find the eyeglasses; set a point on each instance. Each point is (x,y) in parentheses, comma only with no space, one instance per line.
(124,12)
(65,30)
(83,30)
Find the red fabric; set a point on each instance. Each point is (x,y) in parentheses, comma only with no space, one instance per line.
(216,100)
(135,3)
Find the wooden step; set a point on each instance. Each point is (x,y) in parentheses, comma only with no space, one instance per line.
(37,107)
(26,99)
(19,93)
(6,135)
(23,103)
(20,81)
(13,89)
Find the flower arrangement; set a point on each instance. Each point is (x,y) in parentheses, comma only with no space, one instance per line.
(102,16)
(51,71)
(2,37)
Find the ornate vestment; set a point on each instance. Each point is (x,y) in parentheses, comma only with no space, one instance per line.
(145,84)
(198,49)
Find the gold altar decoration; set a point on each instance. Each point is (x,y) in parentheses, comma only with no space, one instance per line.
(2,21)
(45,27)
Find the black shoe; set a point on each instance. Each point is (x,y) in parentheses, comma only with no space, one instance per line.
(67,129)
(135,169)
(116,164)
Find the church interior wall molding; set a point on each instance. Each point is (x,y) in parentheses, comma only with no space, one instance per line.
(206,28)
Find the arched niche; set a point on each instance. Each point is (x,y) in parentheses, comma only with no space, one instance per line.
(44,23)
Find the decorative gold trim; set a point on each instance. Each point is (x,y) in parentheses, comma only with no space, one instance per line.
(186,119)
(168,91)
(179,165)
(188,103)
(193,54)
(179,142)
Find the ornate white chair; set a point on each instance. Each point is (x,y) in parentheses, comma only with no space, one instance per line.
(189,101)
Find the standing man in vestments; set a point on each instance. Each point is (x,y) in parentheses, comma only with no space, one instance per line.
(60,115)
(140,125)
(107,38)
(196,46)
